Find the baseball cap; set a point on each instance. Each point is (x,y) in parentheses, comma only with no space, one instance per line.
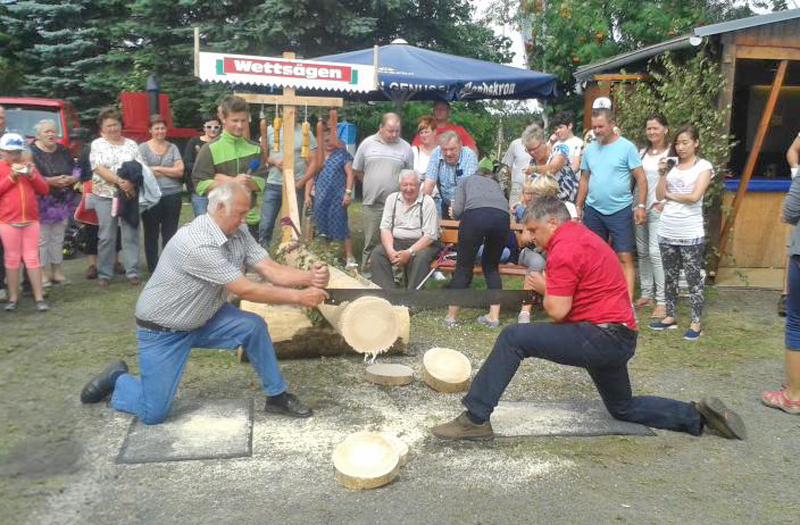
(12,142)
(601,103)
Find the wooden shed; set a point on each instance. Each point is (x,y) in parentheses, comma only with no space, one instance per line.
(760,60)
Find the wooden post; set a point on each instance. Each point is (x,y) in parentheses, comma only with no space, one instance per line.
(715,209)
(763,126)
(289,206)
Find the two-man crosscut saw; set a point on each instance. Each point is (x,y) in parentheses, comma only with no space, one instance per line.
(422,299)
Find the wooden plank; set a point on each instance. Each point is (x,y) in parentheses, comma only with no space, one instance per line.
(611,77)
(763,126)
(768,52)
(786,33)
(748,246)
(293,100)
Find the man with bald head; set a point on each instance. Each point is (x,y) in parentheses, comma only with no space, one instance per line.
(377,163)
(184,305)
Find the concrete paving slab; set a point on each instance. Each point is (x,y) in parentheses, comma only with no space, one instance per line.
(207,429)
(563,418)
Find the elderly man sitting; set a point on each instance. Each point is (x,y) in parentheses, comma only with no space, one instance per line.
(409,233)
(449,164)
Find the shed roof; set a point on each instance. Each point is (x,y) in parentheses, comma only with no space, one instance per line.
(682,42)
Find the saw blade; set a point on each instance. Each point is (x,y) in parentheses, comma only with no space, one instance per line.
(421,299)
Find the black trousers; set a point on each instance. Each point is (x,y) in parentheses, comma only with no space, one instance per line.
(487,226)
(162,219)
(604,353)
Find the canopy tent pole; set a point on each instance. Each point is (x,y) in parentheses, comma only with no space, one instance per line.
(763,126)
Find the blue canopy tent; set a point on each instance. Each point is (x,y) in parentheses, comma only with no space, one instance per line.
(408,73)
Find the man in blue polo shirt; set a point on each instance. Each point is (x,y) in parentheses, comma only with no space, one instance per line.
(604,193)
(594,328)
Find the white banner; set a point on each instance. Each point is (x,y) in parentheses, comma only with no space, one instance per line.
(281,72)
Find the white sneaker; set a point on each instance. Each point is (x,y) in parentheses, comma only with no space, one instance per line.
(524,317)
(351,264)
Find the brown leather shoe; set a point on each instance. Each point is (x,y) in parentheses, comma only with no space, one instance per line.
(721,419)
(91,272)
(102,283)
(462,428)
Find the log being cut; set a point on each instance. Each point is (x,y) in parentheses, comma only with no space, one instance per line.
(365,460)
(446,370)
(370,325)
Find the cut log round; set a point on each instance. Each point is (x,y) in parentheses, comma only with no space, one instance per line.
(446,370)
(369,324)
(365,460)
(389,374)
(399,445)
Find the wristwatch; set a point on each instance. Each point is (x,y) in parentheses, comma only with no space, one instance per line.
(641,206)
(411,251)
(348,191)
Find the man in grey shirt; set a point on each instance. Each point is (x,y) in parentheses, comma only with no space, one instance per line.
(184,306)
(377,164)
(409,230)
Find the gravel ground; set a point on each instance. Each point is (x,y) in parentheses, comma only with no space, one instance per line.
(57,457)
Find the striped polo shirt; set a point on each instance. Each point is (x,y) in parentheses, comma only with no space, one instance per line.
(188,286)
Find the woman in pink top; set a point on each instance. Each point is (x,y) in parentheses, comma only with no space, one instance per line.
(20,182)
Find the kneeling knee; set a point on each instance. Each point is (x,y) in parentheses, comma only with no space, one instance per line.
(155,417)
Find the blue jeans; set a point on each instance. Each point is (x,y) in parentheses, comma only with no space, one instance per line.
(271,208)
(199,204)
(603,352)
(792,336)
(163,355)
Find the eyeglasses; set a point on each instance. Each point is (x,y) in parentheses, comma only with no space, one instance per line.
(211,127)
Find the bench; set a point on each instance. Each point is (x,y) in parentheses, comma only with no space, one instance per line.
(448,236)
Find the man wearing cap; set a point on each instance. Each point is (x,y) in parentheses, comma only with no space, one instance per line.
(184,306)
(441,114)
(604,192)
(450,163)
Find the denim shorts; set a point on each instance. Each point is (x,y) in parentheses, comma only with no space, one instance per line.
(618,227)
(792,336)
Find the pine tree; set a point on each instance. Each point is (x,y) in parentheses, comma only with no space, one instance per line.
(65,52)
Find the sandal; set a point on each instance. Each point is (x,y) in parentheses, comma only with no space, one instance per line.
(778,399)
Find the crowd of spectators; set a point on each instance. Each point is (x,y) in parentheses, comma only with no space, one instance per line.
(647,203)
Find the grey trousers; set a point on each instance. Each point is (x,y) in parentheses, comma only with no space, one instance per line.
(107,240)
(51,243)
(372,214)
(415,272)
(532,259)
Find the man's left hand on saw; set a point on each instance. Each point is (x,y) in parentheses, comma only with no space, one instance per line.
(320,275)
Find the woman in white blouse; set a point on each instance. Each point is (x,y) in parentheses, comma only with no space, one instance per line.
(106,156)
(426,129)
(651,270)
(681,234)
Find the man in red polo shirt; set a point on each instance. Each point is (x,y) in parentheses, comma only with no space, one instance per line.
(586,294)
(441,114)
